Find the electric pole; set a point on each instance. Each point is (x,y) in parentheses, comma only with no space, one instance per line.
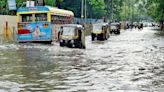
(85,11)
(125,11)
(82,9)
(30,3)
(112,10)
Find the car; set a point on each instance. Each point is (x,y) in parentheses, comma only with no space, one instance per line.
(100,31)
(72,35)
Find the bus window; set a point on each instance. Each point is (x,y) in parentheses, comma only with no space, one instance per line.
(26,18)
(56,19)
(53,19)
(41,17)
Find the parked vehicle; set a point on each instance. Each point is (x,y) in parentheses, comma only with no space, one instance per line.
(100,31)
(72,35)
(135,24)
(115,28)
(140,26)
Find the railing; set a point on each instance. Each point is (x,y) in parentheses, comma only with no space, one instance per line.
(88,21)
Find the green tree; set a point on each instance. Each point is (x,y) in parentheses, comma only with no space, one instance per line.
(73,5)
(156,11)
(95,8)
(98,8)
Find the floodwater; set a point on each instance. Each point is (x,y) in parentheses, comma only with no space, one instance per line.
(130,62)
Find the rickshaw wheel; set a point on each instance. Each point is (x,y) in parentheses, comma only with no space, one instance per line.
(61,44)
(103,37)
(93,37)
(118,32)
(106,37)
(83,47)
(80,45)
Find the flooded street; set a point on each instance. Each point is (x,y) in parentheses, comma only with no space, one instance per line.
(129,62)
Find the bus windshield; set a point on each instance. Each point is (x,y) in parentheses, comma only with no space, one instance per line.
(26,18)
(33,17)
(97,28)
(68,31)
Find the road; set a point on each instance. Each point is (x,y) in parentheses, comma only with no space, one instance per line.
(129,62)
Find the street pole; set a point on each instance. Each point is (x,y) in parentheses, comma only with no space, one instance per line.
(30,3)
(112,10)
(108,7)
(125,11)
(129,11)
(125,14)
(85,12)
(82,7)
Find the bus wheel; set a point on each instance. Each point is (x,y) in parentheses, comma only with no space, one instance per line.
(83,46)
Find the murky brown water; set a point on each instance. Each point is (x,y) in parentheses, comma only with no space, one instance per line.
(130,62)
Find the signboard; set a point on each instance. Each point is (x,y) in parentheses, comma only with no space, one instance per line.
(11,4)
(29,9)
(30,4)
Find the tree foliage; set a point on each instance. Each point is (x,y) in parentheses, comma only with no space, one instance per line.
(73,5)
(156,9)
(95,8)
(122,9)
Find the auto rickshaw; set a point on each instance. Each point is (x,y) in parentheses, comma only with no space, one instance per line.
(115,28)
(72,35)
(100,31)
